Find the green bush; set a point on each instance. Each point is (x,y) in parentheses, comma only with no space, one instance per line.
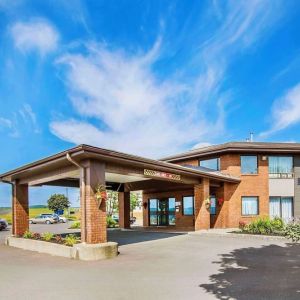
(75,225)
(47,236)
(265,225)
(292,231)
(28,234)
(110,222)
(71,240)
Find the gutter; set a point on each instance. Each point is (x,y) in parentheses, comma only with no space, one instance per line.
(82,187)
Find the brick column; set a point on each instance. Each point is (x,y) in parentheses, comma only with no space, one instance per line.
(124,209)
(93,217)
(145,211)
(20,209)
(202,214)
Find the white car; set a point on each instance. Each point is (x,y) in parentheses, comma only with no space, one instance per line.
(62,219)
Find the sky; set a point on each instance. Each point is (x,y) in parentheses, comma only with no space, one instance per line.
(151,78)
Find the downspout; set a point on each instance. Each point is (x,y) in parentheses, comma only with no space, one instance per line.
(82,170)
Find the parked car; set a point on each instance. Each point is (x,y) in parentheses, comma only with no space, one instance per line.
(3,224)
(60,219)
(43,219)
(132,220)
(54,216)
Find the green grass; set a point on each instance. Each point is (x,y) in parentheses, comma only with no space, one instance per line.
(5,213)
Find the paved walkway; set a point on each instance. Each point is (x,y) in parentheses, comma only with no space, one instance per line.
(158,266)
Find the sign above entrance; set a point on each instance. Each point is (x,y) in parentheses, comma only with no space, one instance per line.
(160,174)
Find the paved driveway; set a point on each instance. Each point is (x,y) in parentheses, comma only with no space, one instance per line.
(158,266)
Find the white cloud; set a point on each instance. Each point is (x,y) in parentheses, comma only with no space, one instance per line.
(29,116)
(37,35)
(122,103)
(285,111)
(9,126)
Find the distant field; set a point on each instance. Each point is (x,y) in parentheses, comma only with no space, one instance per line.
(5,213)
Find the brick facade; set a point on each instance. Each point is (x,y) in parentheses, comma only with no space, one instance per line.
(20,209)
(124,209)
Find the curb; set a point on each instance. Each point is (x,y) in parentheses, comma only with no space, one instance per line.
(240,235)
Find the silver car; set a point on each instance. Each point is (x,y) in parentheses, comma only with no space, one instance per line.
(43,219)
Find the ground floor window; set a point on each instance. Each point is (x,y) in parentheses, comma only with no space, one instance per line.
(250,206)
(213,205)
(281,207)
(188,205)
(162,212)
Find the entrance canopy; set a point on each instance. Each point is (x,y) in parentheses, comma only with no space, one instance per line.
(89,167)
(61,170)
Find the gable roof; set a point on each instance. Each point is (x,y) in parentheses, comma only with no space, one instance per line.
(249,147)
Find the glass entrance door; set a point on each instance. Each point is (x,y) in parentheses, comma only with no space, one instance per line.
(162,212)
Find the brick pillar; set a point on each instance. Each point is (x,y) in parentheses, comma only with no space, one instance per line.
(145,211)
(124,209)
(93,217)
(202,214)
(20,209)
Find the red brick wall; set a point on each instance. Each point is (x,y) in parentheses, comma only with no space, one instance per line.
(182,221)
(20,209)
(230,212)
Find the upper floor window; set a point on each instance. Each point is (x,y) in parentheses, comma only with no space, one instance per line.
(213,163)
(249,164)
(281,166)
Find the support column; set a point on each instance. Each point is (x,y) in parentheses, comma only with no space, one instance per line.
(20,209)
(93,217)
(202,214)
(124,209)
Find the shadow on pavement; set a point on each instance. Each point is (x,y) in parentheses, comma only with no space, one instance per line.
(269,272)
(133,237)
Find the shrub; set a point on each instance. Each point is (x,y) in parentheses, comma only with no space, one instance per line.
(71,240)
(75,225)
(36,236)
(58,239)
(47,236)
(264,226)
(292,231)
(110,222)
(27,234)
(242,225)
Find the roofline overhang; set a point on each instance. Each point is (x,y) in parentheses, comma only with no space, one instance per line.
(114,156)
(225,150)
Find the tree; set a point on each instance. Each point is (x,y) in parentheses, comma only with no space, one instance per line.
(112,202)
(58,202)
(135,201)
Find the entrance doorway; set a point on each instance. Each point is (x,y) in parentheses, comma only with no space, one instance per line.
(162,212)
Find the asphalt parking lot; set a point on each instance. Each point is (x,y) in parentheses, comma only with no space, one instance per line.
(157,266)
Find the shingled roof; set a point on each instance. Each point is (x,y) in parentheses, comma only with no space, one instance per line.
(250,147)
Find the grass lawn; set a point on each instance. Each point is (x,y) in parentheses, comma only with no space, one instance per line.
(6,213)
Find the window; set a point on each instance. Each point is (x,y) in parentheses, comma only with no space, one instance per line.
(249,164)
(213,205)
(213,163)
(280,166)
(281,207)
(249,206)
(188,205)
(153,211)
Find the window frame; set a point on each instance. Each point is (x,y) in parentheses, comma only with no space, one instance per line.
(193,202)
(218,163)
(257,164)
(280,204)
(250,215)
(289,175)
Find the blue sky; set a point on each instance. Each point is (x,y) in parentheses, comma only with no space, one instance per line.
(145,77)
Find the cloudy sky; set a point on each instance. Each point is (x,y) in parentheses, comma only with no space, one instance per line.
(145,77)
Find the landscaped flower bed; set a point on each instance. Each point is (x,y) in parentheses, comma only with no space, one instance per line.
(68,240)
(273,227)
